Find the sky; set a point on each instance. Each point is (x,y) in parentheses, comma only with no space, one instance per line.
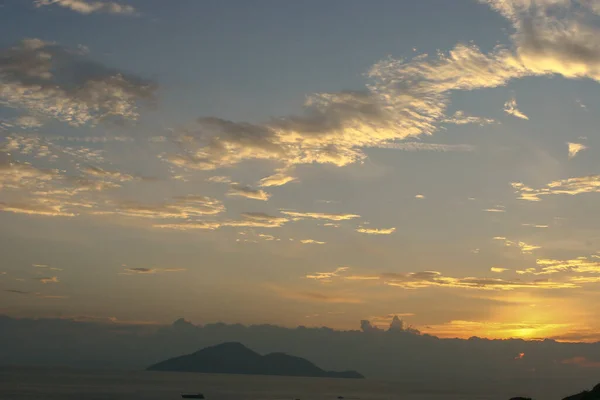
(303,163)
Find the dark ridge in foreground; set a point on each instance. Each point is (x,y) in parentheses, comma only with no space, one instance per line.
(235,358)
(593,394)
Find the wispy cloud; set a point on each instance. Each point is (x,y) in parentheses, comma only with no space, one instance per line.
(101,173)
(575,148)
(279,179)
(44,266)
(37,207)
(182,207)
(318,297)
(428,279)
(536,225)
(460,118)
(375,231)
(327,275)
(249,220)
(311,241)
(315,215)
(219,179)
(419,146)
(510,107)
(525,248)
(549,266)
(498,270)
(570,186)
(90,6)
(51,279)
(16,291)
(248,192)
(150,271)
(40,78)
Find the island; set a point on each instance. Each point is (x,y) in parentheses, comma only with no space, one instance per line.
(235,358)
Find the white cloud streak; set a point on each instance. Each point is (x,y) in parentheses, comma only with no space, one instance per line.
(89,7)
(510,107)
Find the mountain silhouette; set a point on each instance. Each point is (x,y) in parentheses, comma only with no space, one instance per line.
(235,358)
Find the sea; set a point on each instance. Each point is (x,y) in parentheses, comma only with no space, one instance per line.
(20,383)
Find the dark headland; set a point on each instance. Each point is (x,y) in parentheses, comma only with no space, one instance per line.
(235,358)
(593,394)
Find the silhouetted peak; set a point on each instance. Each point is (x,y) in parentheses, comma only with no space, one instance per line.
(229,345)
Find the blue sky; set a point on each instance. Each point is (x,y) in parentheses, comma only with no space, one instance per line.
(309,163)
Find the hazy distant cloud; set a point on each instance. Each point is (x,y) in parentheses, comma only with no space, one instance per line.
(89,6)
(314,215)
(248,192)
(51,279)
(15,291)
(311,241)
(141,270)
(28,122)
(581,104)
(510,107)
(582,362)
(219,179)
(317,297)
(44,266)
(374,231)
(536,225)
(498,270)
(150,271)
(575,148)
(43,79)
(495,210)
(570,186)
(419,196)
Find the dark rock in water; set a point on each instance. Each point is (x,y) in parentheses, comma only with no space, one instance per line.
(235,358)
(521,398)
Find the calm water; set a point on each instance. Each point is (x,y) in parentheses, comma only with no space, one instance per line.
(67,384)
